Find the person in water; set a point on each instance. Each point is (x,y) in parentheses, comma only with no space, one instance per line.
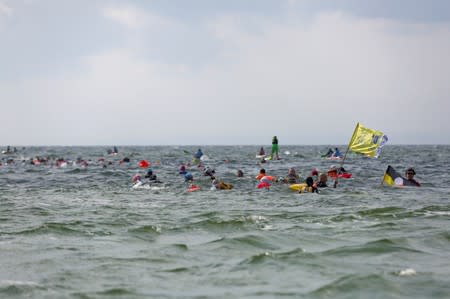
(188,177)
(137,180)
(309,186)
(182,169)
(292,177)
(337,153)
(322,181)
(409,174)
(220,185)
(152,178)
(198,154)
(315,174)
(239,173)
(261,152)
(124,160)
(274,148)
(262,173)
(209,172)
(329,154)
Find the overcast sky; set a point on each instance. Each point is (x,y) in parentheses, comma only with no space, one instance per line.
(157,72)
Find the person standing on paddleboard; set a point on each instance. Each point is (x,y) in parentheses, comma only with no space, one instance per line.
(274,148)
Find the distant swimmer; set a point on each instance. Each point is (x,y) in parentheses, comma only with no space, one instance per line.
(182,169)
(220,185)
(198,154)
(274,148)
(113,151)
(188,177)
(410,173)
(209,172)
(337,153)
(292,177)
(7,151)
(322,181)
(124,160)
(239,173)
(262,173)
(328,154)
(137,180)
(262,152)
(310,188)
(315,174)
(152,178)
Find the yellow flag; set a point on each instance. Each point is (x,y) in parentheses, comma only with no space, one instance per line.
(367,141)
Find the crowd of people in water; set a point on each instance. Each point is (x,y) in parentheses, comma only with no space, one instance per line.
(313,182)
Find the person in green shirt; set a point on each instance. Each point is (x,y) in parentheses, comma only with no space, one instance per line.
(274,148)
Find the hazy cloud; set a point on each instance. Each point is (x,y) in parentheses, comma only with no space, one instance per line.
(133,17)
(5,10)
(307,81)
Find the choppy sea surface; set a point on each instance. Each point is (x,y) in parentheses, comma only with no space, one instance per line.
(83,232)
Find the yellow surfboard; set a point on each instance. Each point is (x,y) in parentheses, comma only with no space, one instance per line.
(297,187)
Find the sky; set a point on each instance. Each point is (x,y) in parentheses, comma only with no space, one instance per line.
(214,72)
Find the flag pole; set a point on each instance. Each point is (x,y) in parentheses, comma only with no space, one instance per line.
(345,155)
(382,179)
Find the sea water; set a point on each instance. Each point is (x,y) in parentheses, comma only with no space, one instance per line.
(83,232)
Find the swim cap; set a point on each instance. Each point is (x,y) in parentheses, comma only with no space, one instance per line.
(136,178)
(188,176)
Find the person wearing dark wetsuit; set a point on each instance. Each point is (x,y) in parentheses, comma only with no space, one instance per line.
(152,177)
(409,174)
(309,186)
(322,181)
(328,154)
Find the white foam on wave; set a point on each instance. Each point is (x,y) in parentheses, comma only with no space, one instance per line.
(436,213)
(267,227)
(407,272)
(256,218)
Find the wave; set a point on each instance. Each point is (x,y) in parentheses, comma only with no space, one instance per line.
(152,229)
(62,229)
(295,255)
(113,292)
(381,246)
(352,286)
(12,288)
(384,212)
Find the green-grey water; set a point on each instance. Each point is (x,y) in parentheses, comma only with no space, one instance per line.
(83,232)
